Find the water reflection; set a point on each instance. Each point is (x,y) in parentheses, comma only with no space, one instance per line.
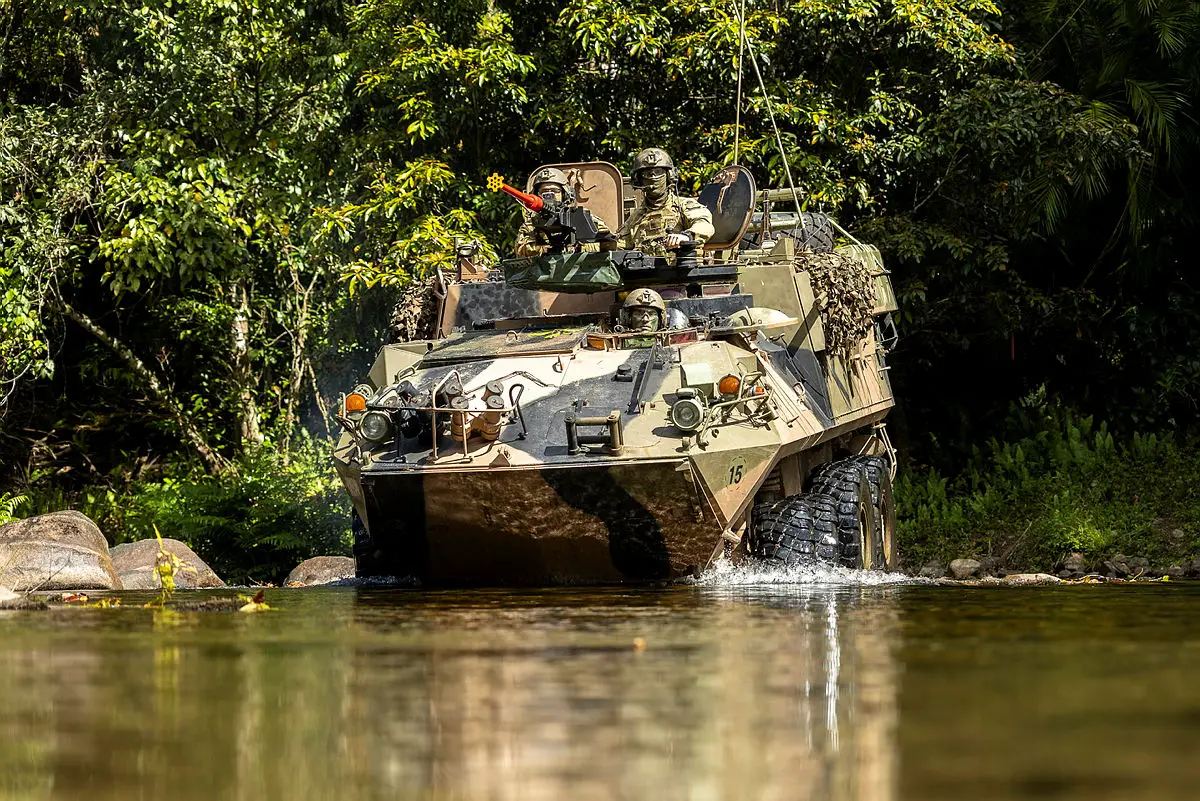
(738,692)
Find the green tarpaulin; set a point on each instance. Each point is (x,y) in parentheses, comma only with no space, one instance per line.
(564,272)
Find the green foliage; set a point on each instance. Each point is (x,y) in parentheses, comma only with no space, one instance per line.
(1061,484)
(167,566)
(8,507)
(254,526)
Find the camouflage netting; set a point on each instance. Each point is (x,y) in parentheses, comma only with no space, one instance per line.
(415,314)
(845,291)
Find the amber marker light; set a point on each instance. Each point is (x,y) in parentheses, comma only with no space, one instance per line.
(355,402)
(729,385)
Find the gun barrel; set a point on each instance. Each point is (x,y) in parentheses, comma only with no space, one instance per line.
(531,202)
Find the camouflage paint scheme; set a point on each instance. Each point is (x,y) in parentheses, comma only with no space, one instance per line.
(522,509)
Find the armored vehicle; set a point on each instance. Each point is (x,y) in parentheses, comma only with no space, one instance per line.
(542,437)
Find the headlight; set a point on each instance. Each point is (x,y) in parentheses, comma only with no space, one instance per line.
(687,414)
(375,426)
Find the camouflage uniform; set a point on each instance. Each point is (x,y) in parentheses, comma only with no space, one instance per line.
(532,242)
(664,212)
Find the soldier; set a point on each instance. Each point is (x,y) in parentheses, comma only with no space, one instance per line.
(532,242)
(643,310)
(665,221)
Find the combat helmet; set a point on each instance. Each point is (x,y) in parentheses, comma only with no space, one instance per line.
(553,175)
(642,299)
(653,157)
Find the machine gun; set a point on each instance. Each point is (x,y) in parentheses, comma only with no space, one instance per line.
(564,224)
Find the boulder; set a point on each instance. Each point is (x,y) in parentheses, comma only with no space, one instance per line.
(1116,567)
(58,551)
(963,569)
(1074,563)
(1193,568)
(1172,571)
(1138,565)
(933,570)
(135,562)
(320,570)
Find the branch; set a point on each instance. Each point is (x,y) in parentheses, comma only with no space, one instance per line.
(213,461)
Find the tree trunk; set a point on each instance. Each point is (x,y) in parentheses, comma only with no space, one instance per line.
(213,461)
(247,411)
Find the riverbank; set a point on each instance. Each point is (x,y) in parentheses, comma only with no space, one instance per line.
(1063,496)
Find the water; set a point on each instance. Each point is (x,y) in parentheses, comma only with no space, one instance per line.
(738,686)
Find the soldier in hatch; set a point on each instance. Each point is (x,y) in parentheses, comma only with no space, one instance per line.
(643,311)
(533,242)
(665,221)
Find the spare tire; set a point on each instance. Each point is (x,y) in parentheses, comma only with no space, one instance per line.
(795,530)
(816,232)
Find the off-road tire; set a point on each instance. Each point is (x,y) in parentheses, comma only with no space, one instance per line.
(855,487)
(837,480)
(816,232)
(798,529)
(879,477)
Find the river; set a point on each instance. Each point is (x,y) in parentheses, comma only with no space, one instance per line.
(736,687)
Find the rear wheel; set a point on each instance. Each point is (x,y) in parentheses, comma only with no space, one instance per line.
(861,490)
(798,529)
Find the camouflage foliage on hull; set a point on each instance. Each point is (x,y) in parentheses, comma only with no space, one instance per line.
(845,292)
(415,313)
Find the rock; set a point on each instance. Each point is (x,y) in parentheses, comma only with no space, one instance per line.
(1193,568)
(320,570)
(1138,565)
(963,569)
(1029,579)
(1117,567)
(989,566)
(1178,535)
(936,569)
(1171,571)
(58,551)
(1074,563)
(135,562)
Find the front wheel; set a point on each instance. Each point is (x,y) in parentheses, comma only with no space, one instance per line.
(796,530)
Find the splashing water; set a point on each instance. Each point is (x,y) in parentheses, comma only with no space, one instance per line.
(724,573)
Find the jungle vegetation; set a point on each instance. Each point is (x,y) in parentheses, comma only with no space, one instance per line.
(207,207)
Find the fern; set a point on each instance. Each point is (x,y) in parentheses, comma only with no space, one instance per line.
(8,507)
